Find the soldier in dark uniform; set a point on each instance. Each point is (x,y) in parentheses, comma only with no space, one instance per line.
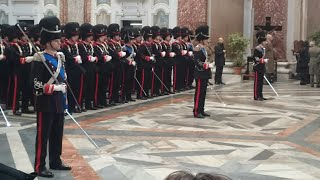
(159,54)
(73,65)
(104,66)
(114,48)
(168,61)
(202,71)
(146,58)
(136,44)
(89,62)
(34,34)
(129,65)
(3,64)
(259,65)
(191,61)
(51,99)
(188,58)
(178,68)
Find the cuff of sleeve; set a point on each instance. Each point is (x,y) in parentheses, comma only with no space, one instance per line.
(48,89)
(22,60)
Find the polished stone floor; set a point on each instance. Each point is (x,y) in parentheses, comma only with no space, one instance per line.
(147,140)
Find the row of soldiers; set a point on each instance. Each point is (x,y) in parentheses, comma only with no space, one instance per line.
(100,60)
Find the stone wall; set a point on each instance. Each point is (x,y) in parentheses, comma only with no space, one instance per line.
(192,13)
(313,17)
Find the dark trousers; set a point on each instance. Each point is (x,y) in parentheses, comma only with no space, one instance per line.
(89,88)
(26,86)
(74,79)
(102,85)
(181,72)
(127,82)
(258,85)
(200,96)
(304,75)
(49,128)
(115,82)
(144,78)
(191,73)
(218,74)
(166,75)
(14,90)
(156,84)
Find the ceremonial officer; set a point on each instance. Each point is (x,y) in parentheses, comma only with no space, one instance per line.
(128,65)
(73,60)
(159,54)
(259,65)
(104,66)
(168,61)
(147,60)
(202,71)
(3,64)
(114,48)
(51,99)
(89,62)
(135,45)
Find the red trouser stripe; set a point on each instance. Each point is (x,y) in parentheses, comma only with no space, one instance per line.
(142,82)
(111,86)
(96,90)
(15,93)
(123,79)
(152,82)
(39,142)
(197,98)
(162,79)
(81,90)
(174,77)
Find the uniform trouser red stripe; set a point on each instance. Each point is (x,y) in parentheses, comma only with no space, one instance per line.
(174,77)
(256,86)
(187,76)
(197,98)
(81,89)
(39,143)
(122,94)
(15,91)
(142,83)
(8,89)
(162,79)
(111,85)
(96,89)
(152,81)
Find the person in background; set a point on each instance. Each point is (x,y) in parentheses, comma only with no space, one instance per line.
(207,176)
(210,51)
(314,65)
(270,54)
(220,58)
(180,175)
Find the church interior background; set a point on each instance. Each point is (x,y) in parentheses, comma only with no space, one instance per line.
(298,18)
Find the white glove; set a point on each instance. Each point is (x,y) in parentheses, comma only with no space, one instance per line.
(62,56)
(210,66)
(163,54)
(265,60)
(190,53)
(122,54)
(107,58)
(78,59)
(151,58)
(133,63)
(2,57)
(29,59)
(61,87)
(184,52)
(92,58)
(172,54)
(134,54)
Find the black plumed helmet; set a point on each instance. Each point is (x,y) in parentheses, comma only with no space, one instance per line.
(185,32)
(86,30)
(191,35)
(202,33)
(99,30)
(176,32)
(146,32)
(3,28)
(25,27)
(165,32)
(155,31)
(49,29)
(34,32)
(136,32)
(63,31)
(12,32)
(127,34)
(261,36)
(113,30)
(72,29)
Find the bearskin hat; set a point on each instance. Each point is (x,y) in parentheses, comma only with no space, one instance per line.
(113,30)
(86,31)
(25,27)
(185,32)
(165,32)
(136,32)
(202,33)
(176,32)
(34,32)
(146,32)
(99,30)
(127,34)
(3,28)
(12,32)
(155,31)
(72,29)
(49,29)
(261,36)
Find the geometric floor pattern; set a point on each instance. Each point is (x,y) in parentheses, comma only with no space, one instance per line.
(147,140)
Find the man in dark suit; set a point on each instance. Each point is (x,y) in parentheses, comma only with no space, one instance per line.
(220,58)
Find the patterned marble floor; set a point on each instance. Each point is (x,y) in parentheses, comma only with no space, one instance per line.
(147,140)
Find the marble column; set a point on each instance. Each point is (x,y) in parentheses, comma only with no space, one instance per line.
(248,17)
